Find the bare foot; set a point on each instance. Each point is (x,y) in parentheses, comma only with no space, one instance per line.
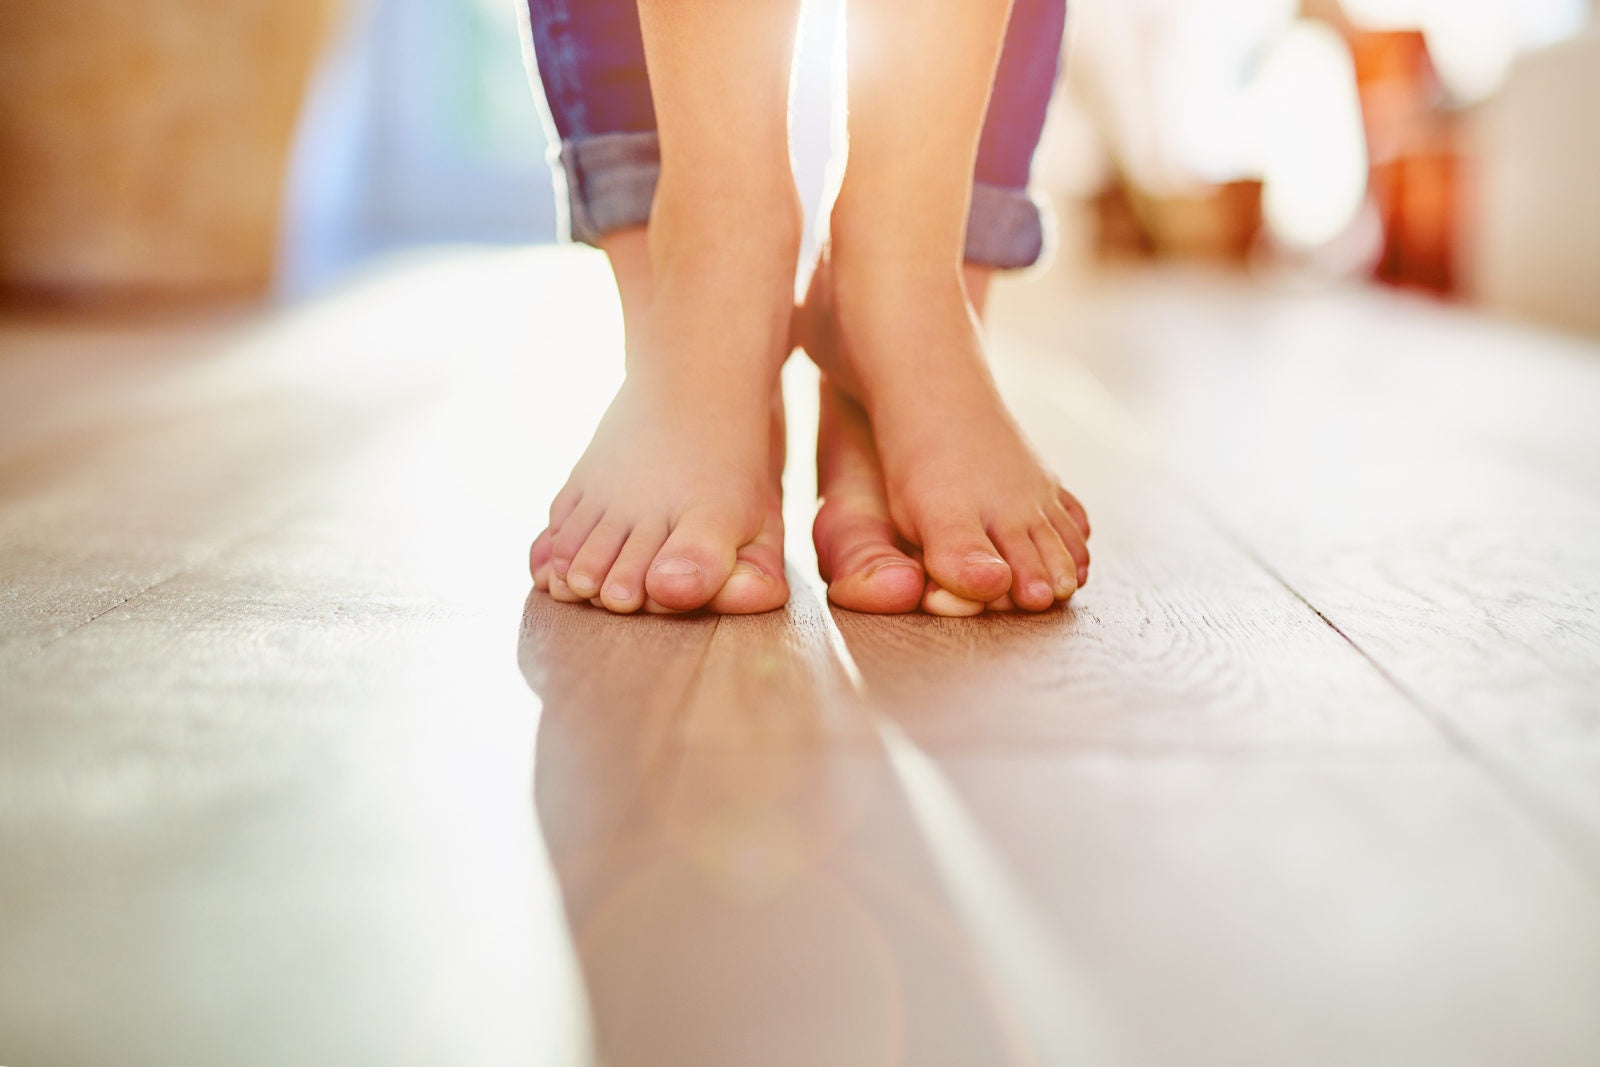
(757,581)
(675,505)
(959,481)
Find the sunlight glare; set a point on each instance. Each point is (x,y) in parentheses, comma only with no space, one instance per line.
(1314,151)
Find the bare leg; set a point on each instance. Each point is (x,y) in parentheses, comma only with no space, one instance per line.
(900,333)
(675,504)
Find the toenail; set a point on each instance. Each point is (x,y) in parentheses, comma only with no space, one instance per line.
(619,594)
(984,557)
(1083,575)
(676,565)
(579,580)
(1041,591)
(1065,586)
(887,562)
(745,567)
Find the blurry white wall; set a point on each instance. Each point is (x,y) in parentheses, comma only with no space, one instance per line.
(421,127)
(1534,237)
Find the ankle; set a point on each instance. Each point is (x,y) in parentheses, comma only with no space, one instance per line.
(906,233)
(740,225)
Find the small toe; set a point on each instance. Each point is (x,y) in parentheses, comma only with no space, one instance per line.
(571,536)
(1074,540)
(623,589)
(1058,562)
(539,560)
(1031,586)
(1080,517)
(561,592)
(592,563)
(565,503)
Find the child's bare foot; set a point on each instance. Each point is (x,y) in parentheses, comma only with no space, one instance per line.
(756,584)
(992,523)
(675,504)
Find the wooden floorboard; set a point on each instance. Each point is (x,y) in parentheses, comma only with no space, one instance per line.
(295,770)
(1410,472)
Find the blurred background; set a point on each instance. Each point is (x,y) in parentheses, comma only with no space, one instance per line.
(204,150)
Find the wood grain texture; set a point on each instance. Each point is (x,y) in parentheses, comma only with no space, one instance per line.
(1425,481)
(293,769)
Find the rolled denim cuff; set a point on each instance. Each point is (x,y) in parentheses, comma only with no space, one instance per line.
(609,181)
(1005,228)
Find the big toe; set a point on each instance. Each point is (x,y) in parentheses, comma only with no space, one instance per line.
(694,564)
(756,584)
(960,557)
(861,559)
(889,584)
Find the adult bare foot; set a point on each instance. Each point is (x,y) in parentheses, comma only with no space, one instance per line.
(959,480)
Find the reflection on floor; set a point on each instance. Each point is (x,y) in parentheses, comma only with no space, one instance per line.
(1309,773)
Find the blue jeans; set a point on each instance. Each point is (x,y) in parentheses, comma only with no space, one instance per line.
(590,61)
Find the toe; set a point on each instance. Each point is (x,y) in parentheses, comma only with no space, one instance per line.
(861,559)
(571,536)
(539,560)
(757,582)
(1058,562)
(1080,517)
(623,589)
(560,591)
(695,561)
(1074,540)
(752,587)
(562,507)
(940,601)
(1031,585)
(592,563)
(889,584)
(961,559)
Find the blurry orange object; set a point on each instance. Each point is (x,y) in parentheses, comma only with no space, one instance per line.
(1416,178)
(143,143)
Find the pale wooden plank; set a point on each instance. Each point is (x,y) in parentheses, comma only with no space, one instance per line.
(275,805)
(1450,545)
(769,900)
(123,489)
(1266,912)
(1180,642)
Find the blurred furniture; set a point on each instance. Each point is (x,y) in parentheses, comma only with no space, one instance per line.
(143,143)
(1534,227)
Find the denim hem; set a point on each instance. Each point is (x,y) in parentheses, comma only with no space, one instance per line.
(1005,228)
(607,182)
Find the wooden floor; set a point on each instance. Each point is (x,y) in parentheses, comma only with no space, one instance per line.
(293,770)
